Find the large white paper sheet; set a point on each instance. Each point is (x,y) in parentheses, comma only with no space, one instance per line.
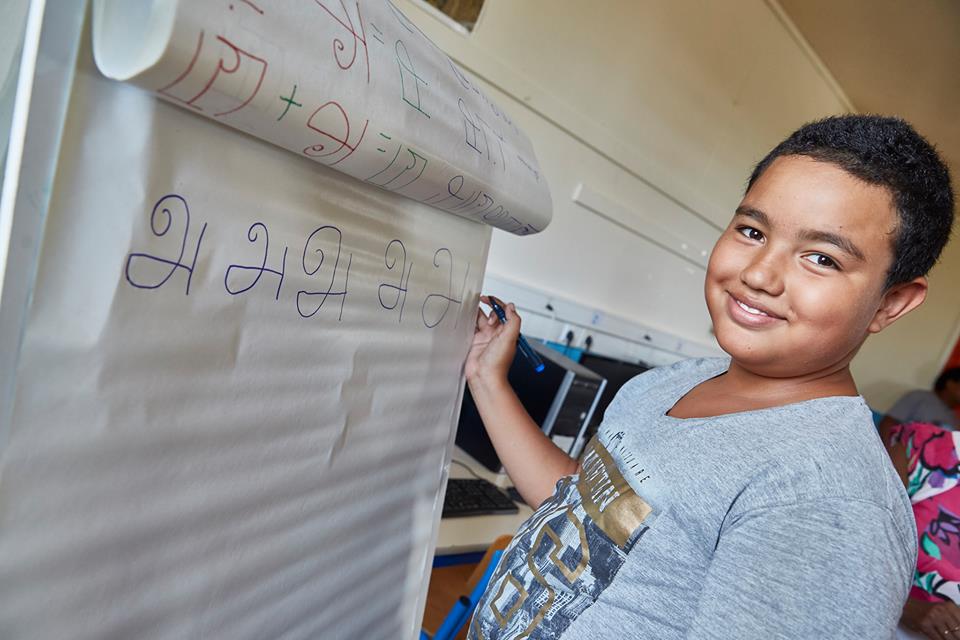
(235,391)
(353,86)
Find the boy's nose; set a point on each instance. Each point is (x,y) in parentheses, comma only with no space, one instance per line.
(764,274)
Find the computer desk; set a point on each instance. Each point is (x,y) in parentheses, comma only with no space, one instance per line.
(475,533)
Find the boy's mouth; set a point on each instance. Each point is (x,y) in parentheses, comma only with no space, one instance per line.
(751,314)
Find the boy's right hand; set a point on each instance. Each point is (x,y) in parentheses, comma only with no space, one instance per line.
(493,344)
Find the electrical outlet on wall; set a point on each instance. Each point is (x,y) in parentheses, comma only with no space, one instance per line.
(579,335)
(547,317)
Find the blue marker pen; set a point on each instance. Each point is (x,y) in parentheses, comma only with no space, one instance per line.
(524,346)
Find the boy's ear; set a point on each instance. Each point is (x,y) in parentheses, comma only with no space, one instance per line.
(898,301)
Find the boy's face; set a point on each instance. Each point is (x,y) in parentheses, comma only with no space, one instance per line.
(795,282)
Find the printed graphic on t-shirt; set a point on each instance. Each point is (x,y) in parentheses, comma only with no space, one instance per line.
(565,555)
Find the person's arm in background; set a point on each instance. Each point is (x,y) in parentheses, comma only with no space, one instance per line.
(896,450)
(532,460)
(932,618)
(899,413)
(886,425)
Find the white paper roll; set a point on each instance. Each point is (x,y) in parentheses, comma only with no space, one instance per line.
(355,87)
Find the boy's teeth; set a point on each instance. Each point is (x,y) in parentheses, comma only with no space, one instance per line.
(751,310)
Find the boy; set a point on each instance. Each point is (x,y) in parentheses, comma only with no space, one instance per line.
(749,496)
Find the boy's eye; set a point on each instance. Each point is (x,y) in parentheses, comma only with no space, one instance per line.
(750,232)
(821,260)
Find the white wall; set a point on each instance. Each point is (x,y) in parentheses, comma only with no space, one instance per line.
(660,109)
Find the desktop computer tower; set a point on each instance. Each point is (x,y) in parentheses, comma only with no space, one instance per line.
(617,373)
(561,400)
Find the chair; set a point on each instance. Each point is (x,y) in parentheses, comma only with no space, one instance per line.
(475,585)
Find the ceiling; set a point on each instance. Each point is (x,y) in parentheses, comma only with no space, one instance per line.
(893,57)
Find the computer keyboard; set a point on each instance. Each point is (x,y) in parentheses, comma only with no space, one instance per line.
(472,497)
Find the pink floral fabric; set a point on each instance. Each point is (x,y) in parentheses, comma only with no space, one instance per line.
(933,474)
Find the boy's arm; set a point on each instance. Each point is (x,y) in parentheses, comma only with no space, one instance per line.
(531,459)
(829,568)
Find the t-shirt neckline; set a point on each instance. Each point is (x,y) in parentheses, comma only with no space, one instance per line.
(717,368)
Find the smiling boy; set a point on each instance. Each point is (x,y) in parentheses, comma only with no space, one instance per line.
(749,496)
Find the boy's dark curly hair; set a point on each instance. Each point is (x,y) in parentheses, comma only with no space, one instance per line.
(887,152)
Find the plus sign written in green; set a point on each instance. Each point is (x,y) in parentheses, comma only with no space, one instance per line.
(290,102)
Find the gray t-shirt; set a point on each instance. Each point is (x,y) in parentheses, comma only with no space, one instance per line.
(923,406)
(787,522)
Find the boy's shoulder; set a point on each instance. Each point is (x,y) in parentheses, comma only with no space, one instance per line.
(825,451)
(821,448)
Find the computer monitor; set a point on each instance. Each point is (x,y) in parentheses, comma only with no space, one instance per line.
(617,373)
(561,399)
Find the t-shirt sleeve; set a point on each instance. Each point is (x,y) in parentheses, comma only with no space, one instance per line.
(824,569)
